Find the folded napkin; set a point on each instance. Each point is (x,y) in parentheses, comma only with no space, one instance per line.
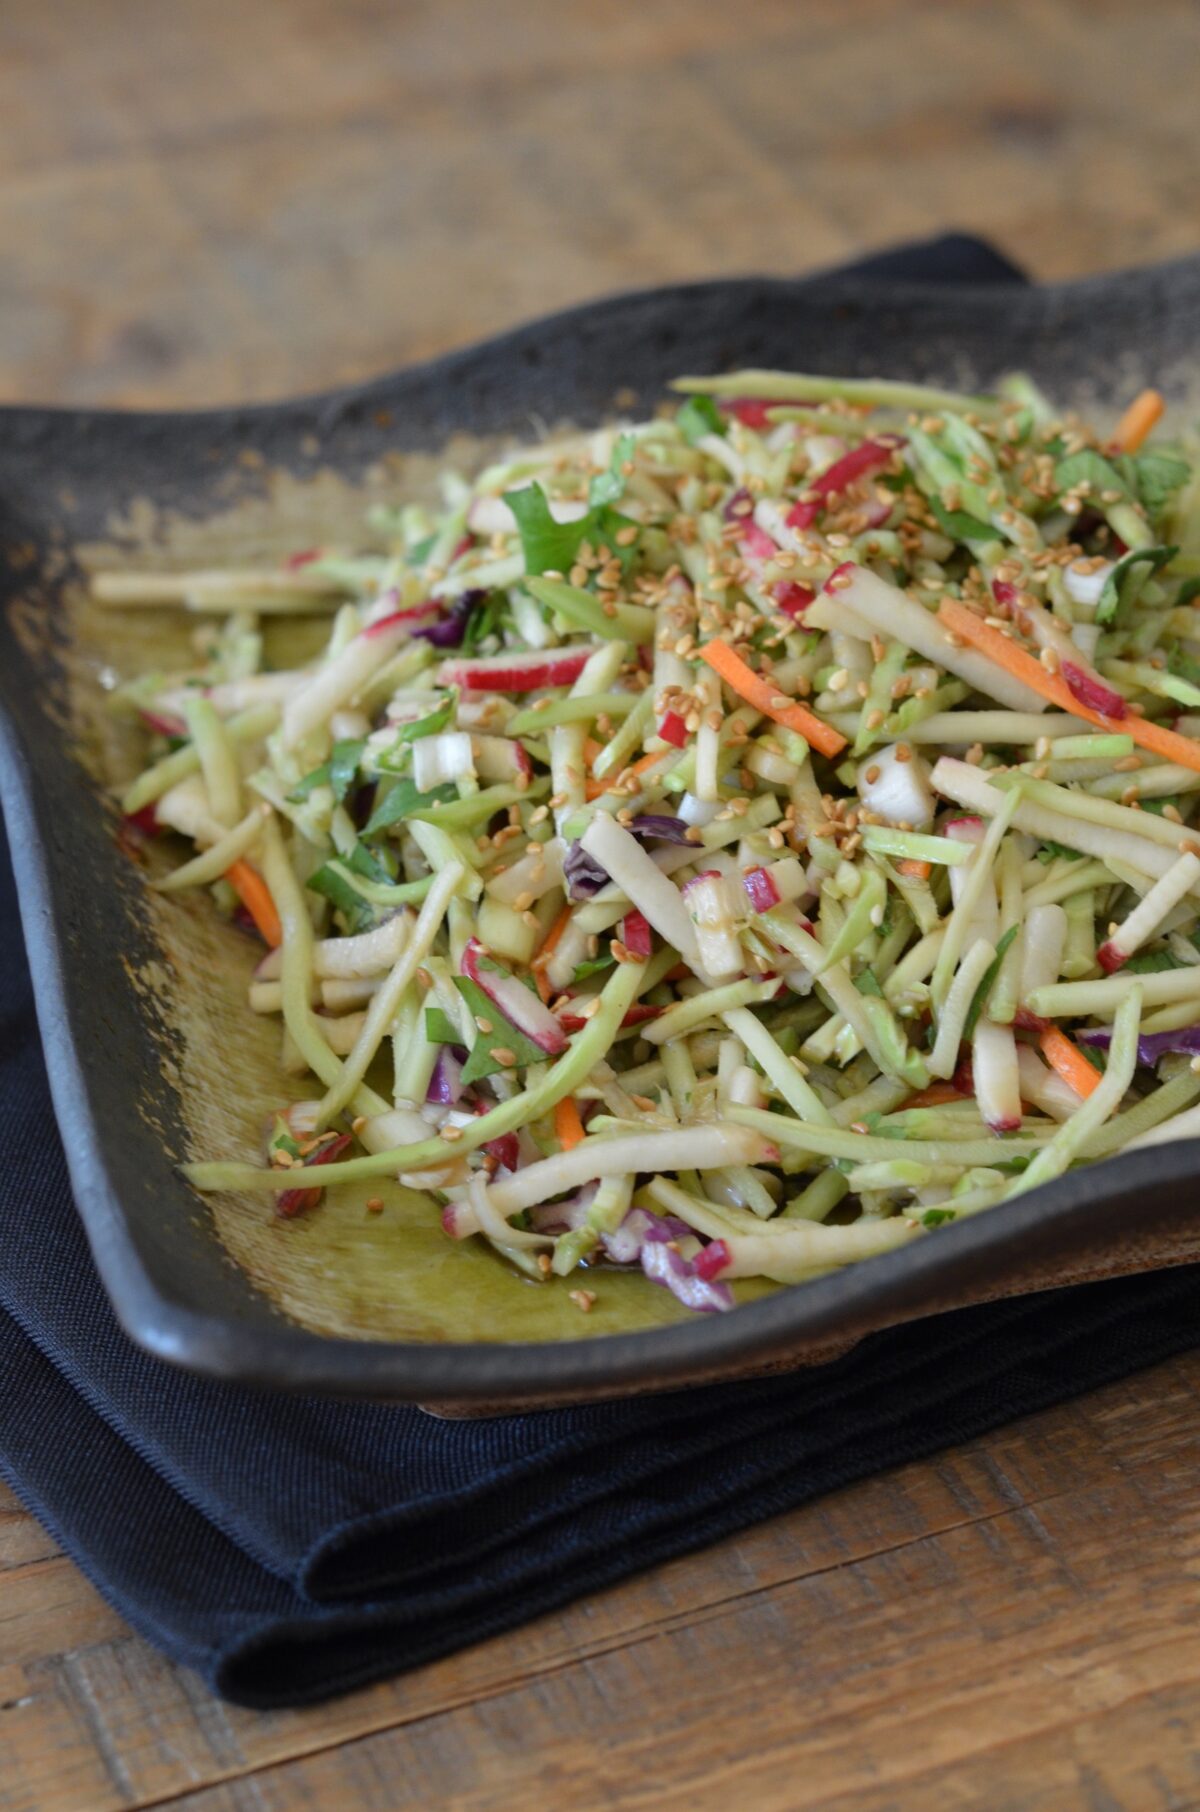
(290,1548)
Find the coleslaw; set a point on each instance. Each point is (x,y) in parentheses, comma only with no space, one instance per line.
(730,844)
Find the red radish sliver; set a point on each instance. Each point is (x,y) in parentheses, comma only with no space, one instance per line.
(751,411)
(635,934)
(294,561)
(760,888)
(712,1260)
(1110,958)
(672,729)
(793,598)
(414,613)
(868,457)
(294,1201)
(516,672)
(757,544)
(506,1150)
(1004,591)
(162,724)
(519,1005)
(1091,691)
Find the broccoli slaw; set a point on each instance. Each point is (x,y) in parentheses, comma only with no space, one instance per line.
(726,845)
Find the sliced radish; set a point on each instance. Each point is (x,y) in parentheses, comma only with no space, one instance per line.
(517,1002)
(1149,913)
(1043,941)
(515,672)
(997,1083)
(162,723)
(1043,1087)
(985,920)
(571,950)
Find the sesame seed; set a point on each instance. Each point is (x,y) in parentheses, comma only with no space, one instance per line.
(485,1025)
(451,1134)
(375,1204)
(503,1056)
(583,1299)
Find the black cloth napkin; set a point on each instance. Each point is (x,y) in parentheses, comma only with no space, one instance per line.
(291,1548)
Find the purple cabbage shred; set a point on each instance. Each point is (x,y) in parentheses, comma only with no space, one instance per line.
(583,874)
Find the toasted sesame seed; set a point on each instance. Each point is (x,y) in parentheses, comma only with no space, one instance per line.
(374,1204)
(583,1299)
(451,1134)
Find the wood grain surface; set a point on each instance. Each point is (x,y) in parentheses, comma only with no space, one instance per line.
(233,200)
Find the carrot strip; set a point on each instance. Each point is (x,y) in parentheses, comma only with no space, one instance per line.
(915,870)
(763,695)
(568,1127)
(1143,412)
(255,896)
(594,789)
(936,1095)
(543,956)
(591,749)
(1070,1062)
(970,628)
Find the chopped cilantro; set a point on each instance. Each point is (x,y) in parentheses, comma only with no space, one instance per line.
(698,417)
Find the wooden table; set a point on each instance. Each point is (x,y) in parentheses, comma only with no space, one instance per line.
(231,200)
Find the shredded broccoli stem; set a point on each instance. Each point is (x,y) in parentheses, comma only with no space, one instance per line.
(723,885)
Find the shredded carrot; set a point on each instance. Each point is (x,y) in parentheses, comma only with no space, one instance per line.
(915,870)
(936,1095)
(1143,412)
(762,695)
(255,896)
(591,749)
(568,1127)
(544,954)
(595,788)
(1070,1062)
(1023,666)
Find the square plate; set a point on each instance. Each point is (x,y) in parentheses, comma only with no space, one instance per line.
(141,1003)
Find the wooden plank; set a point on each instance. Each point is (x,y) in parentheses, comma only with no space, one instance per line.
(810,1695)
(21,1538)
(110,1724)
(407,182)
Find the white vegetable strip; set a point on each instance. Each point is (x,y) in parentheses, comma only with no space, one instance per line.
(893,613)
(1099,1106)
(212,863)
(799,1247)
(1147,916)
(656,897)
(957,1004)
(218,760)
(369,953)
(691,1148)
(383,1006)
(337,683)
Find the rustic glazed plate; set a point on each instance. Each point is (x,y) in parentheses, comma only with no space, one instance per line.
(142,1002)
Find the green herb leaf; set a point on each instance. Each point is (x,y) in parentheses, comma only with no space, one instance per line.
(960,526)
(483,621)
(1151,962)
(401,798)
(439,1028)
(698,417)
(359,913)
(503,1036)
(281,1138)
(867,983)
(595,966)
(937,1217)
(429,725)
(1187,591)
(1123,586)
(338,772)
(979,998)
(1091,469)
(609,486)
(1158,476)
(1052,852)
(551,546)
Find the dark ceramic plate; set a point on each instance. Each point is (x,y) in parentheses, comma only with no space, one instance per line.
(144,1048)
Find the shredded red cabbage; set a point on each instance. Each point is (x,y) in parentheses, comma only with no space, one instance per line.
(449,631)
(583,874)
(1151,1045)
(657,826)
